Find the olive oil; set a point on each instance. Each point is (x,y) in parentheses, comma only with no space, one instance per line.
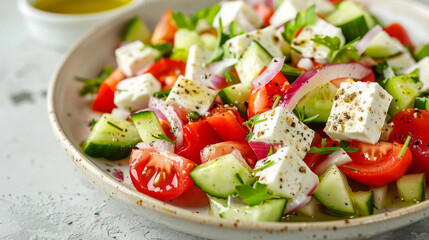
(79,6)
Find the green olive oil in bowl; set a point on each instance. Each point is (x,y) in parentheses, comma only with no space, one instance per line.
(79,6)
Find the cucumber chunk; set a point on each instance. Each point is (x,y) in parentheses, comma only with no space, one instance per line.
(268,211)
(334,192)
(251,63)
(384,46)
(319,101)
(423,52)
(112,138)
(404,90)
(412,187)
(136,30)
(236,95)
(422,103)
(219,177)
(364,202)
(148,125)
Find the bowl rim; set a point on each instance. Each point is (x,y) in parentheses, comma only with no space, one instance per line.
(91,170)
(27,9)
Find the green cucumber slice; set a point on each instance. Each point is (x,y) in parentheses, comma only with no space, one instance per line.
(219,177)
(404,90)
(162,94)
(412,187)
(319,101)
(148,125)
(112,138)
(423,52)
(383,46)
(364,202)
(236,95)
(251,63)
(135,30)
(334,192)
(422,103)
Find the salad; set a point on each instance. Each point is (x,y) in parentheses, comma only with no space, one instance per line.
(282,110)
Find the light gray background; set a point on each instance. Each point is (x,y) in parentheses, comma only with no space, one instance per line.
(42,196)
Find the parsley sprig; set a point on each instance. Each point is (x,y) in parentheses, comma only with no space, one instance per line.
(265,166)
(407,142)
(163,137)
(253,195)
(302,19)
(328,150)
(230,77)
(115,126)
(190,23)
(338,53)
(300,113)
(251,123)
(91,86)
(221,39)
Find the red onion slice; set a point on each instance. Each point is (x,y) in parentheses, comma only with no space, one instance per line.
(172,117)
(338,158)
(213,81)
(158,144)
(296,203)
(272,70)
(363,44)
(262,149)
(319,76)
(220,67)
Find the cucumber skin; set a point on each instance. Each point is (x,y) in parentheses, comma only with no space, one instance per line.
(422,103)
(354,28)
(136,30)
(229,96)
(400,99)
(147,123)
(243,213)
(364,202)
(415,179)
(108,151)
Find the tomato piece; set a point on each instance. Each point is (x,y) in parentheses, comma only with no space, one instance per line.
(263,99)
(313,159)
(224,148)
(197,135)
(264,11)
(335,1)
(106,93)
(167,71)
(377,164)
(413,122)
(397,31)
(228,124)
(165,29)
(160,174)
(368,78)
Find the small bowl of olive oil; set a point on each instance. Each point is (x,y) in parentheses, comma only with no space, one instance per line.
(59,23)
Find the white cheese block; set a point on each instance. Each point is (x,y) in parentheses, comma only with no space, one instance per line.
(191,95)
(240,13)
(134,93)
(132,60)
(267,37)
(311,49)
(195,65)
(290,8)
(283,127)
(359,112)
(423,68)
(401,62)
(288,175)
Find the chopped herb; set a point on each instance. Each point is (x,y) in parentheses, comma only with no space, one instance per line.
(162,94)
(270,152)
(163,137)
(230,77)
(164,49)
(302,19)
(122,90)
(192,116)
(182,21)
(92,123)
(191,23)
(221,39)
(310,119)
(276,102)
(300,113)
(407,142)
(266,165)
(338,53)
(239,179)
(91,86)
(328,150)
(115,126)
(253,195)
(251,123)
(354,169)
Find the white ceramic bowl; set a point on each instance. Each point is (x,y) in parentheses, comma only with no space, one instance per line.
(61,30)
(69,115)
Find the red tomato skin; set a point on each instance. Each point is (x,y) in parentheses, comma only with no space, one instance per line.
(397,31)
(144,162)
(414,123)
(379,171)
(197,135)
(313,159)
(106,93)
(228,124)
(262,99)
(264,11)
(166,71)
(165,29)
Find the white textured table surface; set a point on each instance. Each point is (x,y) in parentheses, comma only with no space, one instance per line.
(42,196)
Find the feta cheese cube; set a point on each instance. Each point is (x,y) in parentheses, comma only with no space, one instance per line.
(359,112)
(283,127)
(267,37)
(132,60)
(191,95)
(238,12)
(311,49)
(134,93)
(423,67)
(288,175)
(195,65)
(290,8)
(402,62)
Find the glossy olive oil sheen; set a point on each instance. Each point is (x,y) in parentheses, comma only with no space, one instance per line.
(79,6)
